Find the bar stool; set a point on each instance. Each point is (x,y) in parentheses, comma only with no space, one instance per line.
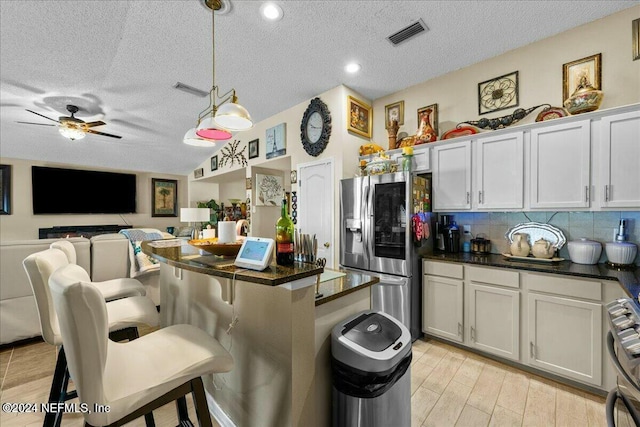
(124,316)
(111,289)
(135,377)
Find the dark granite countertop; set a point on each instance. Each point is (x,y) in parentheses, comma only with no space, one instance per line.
(629,279)
(338,287)
(183,255)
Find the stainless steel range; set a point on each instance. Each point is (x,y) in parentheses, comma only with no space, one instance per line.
(623,345)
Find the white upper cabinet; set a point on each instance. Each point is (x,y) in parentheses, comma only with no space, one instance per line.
(452,176)
(619,160)
(560,166)
(499,172)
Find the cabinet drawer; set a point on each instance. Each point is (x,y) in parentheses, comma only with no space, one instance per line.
(578,288)
(494,276)
(446,269)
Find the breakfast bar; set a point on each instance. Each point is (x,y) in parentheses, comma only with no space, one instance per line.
(270,321)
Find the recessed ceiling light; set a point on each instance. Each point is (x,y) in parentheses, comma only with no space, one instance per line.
(271,11)
(352,68)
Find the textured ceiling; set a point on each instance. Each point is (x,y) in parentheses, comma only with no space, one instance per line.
(118,61)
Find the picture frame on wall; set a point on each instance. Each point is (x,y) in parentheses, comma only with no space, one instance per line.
(5,189)
(393,112)
(498,93)
(164,197)
(359,117)
(635,38)
(574,71)
(214,163)
(431,112)
(276,141)
(198,173)
(254,148)
(294,177)
(248,184)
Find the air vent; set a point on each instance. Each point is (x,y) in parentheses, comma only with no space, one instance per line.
(190,89)
(405,34)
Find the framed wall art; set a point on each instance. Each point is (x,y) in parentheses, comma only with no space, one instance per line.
(635,38)
(269,190)
(164,197)
(360,117)
(276,141)
(580,69)
(254,148)
(393,112)
(248,184)
(5,189)
(430,114)
(498,93)
(214,163)
(294,177)
(198,173)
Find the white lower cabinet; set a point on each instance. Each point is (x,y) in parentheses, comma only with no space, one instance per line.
(442,305)
(565,337)
(494,320)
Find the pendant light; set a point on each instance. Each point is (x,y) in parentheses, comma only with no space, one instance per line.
(218,120)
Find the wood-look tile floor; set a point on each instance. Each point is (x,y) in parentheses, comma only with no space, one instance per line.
(449,387)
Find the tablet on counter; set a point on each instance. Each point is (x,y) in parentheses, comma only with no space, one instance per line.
(255,253)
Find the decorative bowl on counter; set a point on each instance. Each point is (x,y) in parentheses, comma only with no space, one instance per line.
(620,253)
(584,251)
(213,247)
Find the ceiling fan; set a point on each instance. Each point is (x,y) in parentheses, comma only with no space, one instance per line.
(71,127)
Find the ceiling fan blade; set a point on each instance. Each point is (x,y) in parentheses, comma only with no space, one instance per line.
(92,124)
(48,118)
(103,134)
(39,124)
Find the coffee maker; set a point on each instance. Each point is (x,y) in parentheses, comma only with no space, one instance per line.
(448,234)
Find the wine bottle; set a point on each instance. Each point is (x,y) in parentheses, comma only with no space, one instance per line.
(284,237)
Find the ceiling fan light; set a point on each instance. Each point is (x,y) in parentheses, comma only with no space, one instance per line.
(191,138)
(233,116)
(72,133)
(211,130)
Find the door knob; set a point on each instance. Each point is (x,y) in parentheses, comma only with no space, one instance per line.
(326,244)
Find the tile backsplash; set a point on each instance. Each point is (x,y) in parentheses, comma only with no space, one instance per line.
(599,226)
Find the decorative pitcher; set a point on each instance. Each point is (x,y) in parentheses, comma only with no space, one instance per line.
(543,249)
(520,245)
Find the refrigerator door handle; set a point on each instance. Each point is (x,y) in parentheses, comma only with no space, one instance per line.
(366,221)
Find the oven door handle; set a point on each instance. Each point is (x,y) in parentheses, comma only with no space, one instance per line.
(616,363)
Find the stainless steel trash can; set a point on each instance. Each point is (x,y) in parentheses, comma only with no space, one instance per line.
(371,357)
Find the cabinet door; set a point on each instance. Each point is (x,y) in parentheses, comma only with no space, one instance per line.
(494,320)
(420,162)
(619,155)
(565,337)
(499,172)
(452,176)
(442,307)
(560,157)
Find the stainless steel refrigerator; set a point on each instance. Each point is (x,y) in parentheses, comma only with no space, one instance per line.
(378,236)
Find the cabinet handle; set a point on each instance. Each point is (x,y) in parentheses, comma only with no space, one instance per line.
(473,334)
(479,197)
(459,329)
(532,350)
(468,197)
(586,193)
(606,193)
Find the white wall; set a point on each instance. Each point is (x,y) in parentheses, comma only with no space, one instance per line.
(23,224)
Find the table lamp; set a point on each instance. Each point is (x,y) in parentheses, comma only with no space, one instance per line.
(192,215)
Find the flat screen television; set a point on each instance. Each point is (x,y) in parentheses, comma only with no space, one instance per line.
(75,191)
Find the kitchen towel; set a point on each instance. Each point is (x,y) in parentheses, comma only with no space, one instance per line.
(226,231)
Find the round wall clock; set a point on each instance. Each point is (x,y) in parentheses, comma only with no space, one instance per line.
(315,128)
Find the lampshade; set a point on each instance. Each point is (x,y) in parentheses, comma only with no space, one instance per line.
(210,130)
(190,138)
(71,132)
(194,214)
(233,116)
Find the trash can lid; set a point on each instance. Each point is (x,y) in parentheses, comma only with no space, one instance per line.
(372,331)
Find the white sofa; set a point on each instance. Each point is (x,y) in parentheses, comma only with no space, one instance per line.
(106,256)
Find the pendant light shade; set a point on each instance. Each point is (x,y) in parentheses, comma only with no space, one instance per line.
(233,116)
(191,138)
(209,129)
(71,132)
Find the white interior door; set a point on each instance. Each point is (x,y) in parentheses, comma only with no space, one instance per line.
(316,201)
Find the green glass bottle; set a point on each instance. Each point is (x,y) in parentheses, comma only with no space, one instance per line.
(284,237)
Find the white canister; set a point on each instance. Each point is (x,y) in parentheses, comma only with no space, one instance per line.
(209,233)
(226,231)
(584,251)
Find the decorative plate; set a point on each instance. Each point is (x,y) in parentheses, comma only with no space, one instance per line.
(551,113)
(537,231)
(530,258)
(459,131)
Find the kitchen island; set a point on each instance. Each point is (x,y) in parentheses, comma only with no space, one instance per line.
(272,324)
